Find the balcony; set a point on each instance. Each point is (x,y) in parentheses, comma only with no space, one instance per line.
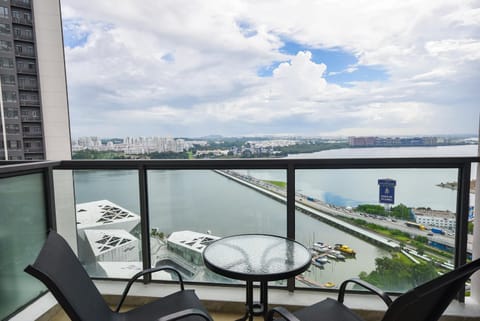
(22,21)
(21,3)
(29,102)
(31,119)
(221,197)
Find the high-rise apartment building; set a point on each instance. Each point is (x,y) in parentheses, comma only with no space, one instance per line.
(33,104)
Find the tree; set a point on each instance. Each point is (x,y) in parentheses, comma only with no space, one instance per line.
(394,274)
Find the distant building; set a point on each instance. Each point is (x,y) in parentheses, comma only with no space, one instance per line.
(104,215)
(361,141)
(393,141)
(433,218)
(104,233)
(111,246)
(189,244)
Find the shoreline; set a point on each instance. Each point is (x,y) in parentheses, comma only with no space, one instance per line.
(454,185)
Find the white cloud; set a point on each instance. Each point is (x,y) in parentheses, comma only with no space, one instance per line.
(192,66)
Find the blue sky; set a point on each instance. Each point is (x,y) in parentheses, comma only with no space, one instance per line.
(343,68)
(194,68)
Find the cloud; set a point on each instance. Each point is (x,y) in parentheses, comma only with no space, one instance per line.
(178,67)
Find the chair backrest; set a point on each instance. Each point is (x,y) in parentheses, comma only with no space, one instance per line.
(428,301)
(59,269)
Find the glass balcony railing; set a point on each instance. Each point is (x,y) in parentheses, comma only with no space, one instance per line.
(135,214)
(22,233)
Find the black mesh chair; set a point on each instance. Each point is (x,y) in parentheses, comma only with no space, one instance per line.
(426,302)
(61,271)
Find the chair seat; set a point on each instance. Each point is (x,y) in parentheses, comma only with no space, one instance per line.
(175,302)
(328,309)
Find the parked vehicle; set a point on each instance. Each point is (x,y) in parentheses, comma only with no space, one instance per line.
(438,231)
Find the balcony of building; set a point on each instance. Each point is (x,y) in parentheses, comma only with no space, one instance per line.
(21,3)
(148,200)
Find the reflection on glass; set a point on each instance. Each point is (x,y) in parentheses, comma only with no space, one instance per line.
(22,233)
(108,222)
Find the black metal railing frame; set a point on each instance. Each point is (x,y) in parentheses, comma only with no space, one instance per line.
(290,165)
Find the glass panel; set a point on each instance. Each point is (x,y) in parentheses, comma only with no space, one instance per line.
(189,208)
(397,221)
(22,233)
(108,222)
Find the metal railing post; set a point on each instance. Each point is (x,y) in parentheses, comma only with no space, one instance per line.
(461,234)
(291,213)
(144,221)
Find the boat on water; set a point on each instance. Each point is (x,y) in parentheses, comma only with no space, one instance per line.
(321,247)
(336,255)
(321,259)
(344,249)
(329,284)
(318,265)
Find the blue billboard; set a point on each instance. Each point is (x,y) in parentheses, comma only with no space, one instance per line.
(386,192)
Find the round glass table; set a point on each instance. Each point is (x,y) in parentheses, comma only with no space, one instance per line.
(256,258)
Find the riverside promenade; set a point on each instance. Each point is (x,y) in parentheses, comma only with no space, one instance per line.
(315,209)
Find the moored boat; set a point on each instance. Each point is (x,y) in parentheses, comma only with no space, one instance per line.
(321,247)
(329,284)
(321,259)
(344,249)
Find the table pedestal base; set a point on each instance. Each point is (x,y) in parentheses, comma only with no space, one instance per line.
(255,308)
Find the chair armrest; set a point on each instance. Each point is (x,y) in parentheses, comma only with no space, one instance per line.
(366,285)
(185,313)
(147,271)
(287,315)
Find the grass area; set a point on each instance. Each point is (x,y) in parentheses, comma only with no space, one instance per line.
(402,258)
(277,183)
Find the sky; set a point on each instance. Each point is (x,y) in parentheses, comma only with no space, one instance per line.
(191,68)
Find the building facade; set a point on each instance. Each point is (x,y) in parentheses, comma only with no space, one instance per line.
(32,71)
(433,218)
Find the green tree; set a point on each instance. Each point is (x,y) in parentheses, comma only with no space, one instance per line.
(401,211)
(371,209)
(394,274)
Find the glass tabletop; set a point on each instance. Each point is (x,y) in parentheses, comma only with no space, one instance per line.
(256,257)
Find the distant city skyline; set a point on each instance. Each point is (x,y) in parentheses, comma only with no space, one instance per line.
(246,68)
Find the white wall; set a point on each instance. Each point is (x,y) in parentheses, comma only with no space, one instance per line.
(56,123)
(52,78)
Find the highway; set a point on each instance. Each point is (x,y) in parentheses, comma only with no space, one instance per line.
(305,202)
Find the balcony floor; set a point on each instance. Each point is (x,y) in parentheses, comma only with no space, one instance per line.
(217,316)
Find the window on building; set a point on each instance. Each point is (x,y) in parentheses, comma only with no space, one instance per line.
(26,50)
(4,12)
(14,144)
(16,15)
(7,79)
(27,16)
(29,50)
(28,34)
(12,128)
(5,28)
(11,113)
(5,45)
(6,63)
(9,96)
